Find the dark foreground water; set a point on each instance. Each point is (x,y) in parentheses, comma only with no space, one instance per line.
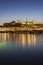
(21,48)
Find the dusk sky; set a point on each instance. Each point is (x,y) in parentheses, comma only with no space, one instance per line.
(19,9)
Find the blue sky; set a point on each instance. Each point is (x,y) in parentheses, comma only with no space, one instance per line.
(19,9)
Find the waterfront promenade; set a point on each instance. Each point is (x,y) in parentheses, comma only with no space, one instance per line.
(32,29)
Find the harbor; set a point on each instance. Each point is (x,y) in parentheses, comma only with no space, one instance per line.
(21,27)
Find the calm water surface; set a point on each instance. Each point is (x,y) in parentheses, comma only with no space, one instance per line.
(28,47)
(9,40)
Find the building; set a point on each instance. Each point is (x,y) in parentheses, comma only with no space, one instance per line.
(28,22)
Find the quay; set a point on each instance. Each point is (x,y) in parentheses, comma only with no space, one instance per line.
(31,32)
(21,27)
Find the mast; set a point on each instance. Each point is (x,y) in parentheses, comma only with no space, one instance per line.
(26,23)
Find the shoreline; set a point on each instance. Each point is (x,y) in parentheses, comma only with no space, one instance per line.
(24,31)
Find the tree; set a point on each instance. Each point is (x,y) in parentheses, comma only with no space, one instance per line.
(12,23)
(5,24)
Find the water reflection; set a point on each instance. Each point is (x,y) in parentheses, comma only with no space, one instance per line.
(21,39)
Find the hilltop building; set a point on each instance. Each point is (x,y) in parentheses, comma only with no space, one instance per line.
(28,22)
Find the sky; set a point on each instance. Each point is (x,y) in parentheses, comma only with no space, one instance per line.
(20,9)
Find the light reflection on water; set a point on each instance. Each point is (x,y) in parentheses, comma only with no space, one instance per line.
(13,39)
(21,47)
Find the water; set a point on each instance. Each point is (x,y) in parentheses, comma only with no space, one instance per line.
(9,40)
(21,47)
